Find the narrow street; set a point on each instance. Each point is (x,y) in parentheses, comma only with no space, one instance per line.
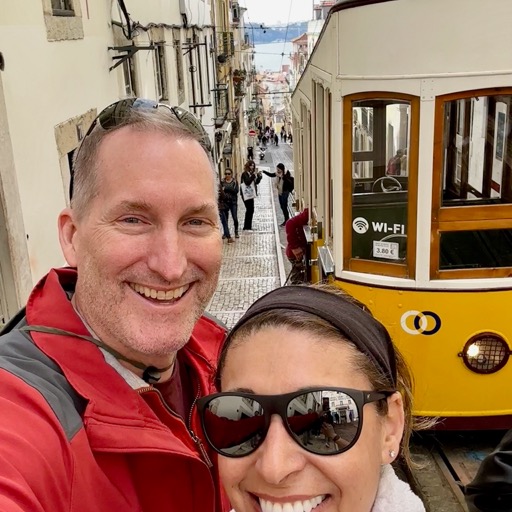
(255,263)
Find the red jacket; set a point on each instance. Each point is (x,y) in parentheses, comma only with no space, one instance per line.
(75,437)
(295,237)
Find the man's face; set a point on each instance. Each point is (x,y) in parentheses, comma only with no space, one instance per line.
(148,249)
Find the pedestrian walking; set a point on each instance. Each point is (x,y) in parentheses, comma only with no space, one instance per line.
(248,190)
(285,185)
(230,188)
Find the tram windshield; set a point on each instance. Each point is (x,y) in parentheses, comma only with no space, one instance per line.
(380,171)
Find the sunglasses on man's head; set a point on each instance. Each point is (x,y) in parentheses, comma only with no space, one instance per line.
(323,421)
(117,112)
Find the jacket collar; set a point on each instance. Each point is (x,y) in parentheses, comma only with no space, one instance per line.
(84,366)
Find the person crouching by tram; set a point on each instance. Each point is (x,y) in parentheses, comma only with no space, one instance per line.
(491,489)
(296,246)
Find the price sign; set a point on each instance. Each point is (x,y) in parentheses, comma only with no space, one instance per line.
(387,250)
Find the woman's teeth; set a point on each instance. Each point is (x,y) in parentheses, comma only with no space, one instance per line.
(297,506)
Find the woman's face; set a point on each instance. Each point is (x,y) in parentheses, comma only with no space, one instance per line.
(282,360)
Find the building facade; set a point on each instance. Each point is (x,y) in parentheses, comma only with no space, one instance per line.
(61,62)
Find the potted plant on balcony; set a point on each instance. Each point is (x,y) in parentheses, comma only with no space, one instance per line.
(239,75)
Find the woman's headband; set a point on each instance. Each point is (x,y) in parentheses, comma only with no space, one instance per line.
(368,335)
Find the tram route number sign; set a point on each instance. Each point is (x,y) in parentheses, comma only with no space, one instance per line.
(252,133)
(387,250)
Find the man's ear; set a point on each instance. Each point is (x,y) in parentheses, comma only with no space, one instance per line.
(393,428)
(67,231)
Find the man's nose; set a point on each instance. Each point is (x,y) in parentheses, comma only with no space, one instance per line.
(279,456)
(167,254)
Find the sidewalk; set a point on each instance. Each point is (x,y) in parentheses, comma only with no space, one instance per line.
(253,265)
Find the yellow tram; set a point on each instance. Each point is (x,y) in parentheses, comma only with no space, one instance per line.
(403,153)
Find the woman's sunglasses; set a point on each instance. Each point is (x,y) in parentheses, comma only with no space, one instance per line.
(117,112)
(324,421)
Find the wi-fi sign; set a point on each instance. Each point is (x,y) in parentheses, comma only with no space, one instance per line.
(360,225)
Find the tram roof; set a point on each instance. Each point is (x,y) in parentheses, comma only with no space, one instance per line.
(349,4)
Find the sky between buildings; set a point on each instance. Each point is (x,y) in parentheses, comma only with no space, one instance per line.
(272,12)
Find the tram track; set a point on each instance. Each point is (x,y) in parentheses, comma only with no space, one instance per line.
(446,462)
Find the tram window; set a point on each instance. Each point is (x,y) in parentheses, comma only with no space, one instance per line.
(475,249)
(477,151)
(380,136)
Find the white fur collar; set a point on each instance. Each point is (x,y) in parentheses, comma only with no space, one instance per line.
(394,495)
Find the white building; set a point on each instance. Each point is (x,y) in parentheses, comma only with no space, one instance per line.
(61,62)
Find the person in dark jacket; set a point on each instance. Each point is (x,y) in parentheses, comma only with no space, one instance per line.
(491,489)
(249,190)
(229,191)
(285,186)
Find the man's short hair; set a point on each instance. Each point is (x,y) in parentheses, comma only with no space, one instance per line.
(85,165)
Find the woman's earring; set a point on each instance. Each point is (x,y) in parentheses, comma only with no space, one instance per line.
(392,454)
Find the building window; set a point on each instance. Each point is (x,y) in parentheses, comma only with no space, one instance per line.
(380,191)
(63,8)
(161,72)
(130,77)
(472,187)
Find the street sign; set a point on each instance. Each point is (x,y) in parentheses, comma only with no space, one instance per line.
(252,133)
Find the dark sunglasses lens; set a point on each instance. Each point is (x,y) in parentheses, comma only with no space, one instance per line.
(319,417)
(234,425)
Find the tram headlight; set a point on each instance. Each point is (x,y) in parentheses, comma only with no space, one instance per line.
(485,353)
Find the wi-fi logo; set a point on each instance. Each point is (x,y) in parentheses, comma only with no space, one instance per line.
(360,225)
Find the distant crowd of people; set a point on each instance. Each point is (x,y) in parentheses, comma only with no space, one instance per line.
(268,135)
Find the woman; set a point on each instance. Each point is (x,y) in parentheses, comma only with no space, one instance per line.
(284,184)
(249,190)
(299,355)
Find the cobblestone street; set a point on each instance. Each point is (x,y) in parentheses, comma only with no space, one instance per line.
(253,265)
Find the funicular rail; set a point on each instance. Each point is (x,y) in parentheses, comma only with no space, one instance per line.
(447,461)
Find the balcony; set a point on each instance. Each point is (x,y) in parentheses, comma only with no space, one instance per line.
(239,78)
(225,47)
(221,99)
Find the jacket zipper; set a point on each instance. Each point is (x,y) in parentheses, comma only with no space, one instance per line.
(192,434)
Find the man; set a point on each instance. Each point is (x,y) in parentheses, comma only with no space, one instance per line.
(394,165)
(229,193)
(285,185)
(296,246)
(99,387)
